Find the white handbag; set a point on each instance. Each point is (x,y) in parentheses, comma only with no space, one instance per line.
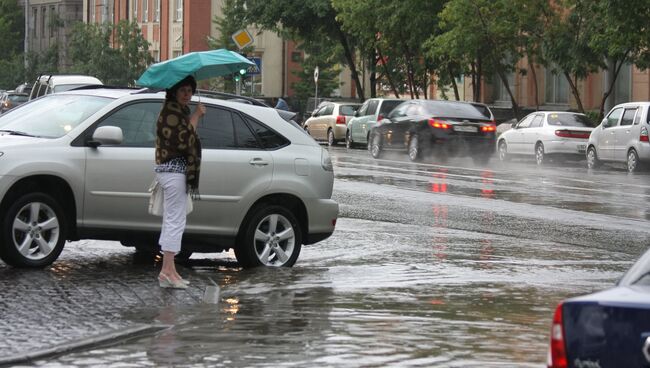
(156,200)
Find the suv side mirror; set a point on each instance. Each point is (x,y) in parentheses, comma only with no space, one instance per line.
(110,135)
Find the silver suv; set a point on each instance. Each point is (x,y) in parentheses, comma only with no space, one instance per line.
(77,165)
(622,137)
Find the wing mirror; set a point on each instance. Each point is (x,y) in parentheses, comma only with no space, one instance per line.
(110,135)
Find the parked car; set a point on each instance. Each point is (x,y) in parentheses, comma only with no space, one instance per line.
(622,137)
(366,117)
(442,128)
(329,122)
(11,99)
(610,328)
(46,84)
(546,135)
(78,164)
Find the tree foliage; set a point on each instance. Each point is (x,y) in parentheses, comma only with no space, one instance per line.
(12,29)
(116,54)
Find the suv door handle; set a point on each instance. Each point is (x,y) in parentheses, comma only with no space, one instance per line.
(258,161)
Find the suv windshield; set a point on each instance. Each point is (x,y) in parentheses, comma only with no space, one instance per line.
(53,116)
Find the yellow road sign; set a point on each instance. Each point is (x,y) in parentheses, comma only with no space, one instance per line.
(242,38)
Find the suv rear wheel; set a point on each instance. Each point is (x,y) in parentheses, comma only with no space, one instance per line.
(33,231)
(271,237)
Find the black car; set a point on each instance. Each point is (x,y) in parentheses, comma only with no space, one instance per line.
(441,128)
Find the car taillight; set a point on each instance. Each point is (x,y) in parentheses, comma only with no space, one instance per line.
(380,117)
(440,124)
(644,135)
(572,134)
(489,128)
(340,119)
(557,352)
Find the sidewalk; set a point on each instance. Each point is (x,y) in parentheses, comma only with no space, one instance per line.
(81,299)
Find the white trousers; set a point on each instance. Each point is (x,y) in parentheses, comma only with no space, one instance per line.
(174,211)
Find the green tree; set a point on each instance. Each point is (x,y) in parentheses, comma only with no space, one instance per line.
(304,20)
(123,63)
(12,29)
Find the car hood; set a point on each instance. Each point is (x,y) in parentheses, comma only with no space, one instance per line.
(9,140)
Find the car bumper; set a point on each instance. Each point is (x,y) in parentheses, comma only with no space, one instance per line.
(322,214)
(566,147)
(643,150)
(339,131)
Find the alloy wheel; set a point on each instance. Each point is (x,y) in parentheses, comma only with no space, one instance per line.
(414,148)
(35,231)
(503,151)
(632,161)
(540,157)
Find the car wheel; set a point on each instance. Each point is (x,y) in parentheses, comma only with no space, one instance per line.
(592,158)
(375,146)
(540,156)
(271,237)
(414,148)
(503,151)
(33,231)
(633,164)
(348,140)
(330,138)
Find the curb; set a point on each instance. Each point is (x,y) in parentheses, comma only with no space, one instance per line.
(103,338)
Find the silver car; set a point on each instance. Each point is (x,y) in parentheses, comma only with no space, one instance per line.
(546,134)
(372,111)
(622,137)
(77,165)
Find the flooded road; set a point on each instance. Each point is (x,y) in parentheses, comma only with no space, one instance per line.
(429,266)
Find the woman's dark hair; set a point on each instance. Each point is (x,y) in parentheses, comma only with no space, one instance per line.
(187,81)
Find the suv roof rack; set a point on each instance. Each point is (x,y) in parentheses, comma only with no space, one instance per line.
(230,96)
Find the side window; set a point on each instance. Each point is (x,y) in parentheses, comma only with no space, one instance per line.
(398,111)
(372,107)
(269,138)
(526,122)
(537,121)
(363,109)
(612,118)
(138,123)
(244,137)
(216,129)
(327,110)
(628,117)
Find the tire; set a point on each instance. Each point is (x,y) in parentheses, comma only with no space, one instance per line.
(414,149)
(592,158)
(260,244)
(33,231)
(633,164)
(330,138)
(503,151)
(348,140)
(540,156)
(375,146)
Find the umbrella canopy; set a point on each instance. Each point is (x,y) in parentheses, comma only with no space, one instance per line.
(199,64)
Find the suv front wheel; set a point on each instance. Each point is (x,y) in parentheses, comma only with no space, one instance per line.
(33,231)
(271,237)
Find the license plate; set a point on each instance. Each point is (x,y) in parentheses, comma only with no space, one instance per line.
(465,128)
(582,147)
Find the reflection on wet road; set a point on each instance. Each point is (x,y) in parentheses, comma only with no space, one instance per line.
(430,266)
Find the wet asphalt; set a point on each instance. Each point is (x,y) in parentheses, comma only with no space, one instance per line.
(443,264)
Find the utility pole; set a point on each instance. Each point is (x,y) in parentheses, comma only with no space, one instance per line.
(26,37)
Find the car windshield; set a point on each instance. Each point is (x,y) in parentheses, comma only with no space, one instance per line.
(573,120)
(17,98)
(458,110)
(348,110)
(53,116)
(639,273)
(388,106)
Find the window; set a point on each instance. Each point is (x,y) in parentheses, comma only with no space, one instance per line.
(220,129)
(135,10)
(557,88)
(500,91)
(363,110)
(156,10)
(372,107)
(537,121)
(178,12)
(526,122)
(91,11)
(296,56)
(244,137)
(388,106)
(628,117)
(269,138)
(138,123)
(145,11)
(34,21)
(53,21)
(612,118)
(43,21)
(623,84)
(347,110)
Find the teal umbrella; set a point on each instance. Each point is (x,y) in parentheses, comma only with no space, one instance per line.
(199,64)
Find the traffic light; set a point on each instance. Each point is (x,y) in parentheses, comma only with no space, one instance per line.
(240,74)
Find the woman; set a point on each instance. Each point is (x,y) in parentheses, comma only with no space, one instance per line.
(178,163)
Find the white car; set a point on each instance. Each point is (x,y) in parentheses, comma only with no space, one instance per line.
(546,134)
(329,122)
(46,84)
(78,164)
(622,137)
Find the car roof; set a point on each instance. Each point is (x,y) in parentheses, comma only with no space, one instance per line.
(69,79)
